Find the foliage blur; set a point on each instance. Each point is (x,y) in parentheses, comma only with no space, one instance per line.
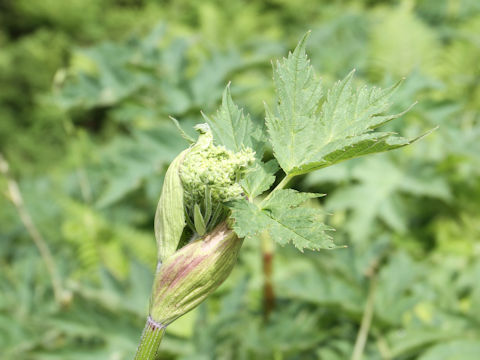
(87,88)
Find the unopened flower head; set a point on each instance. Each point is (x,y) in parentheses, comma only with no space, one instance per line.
(215,167)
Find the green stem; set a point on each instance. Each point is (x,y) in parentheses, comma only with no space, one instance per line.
(280,185)
(62,296)
(150,341)
(366,323)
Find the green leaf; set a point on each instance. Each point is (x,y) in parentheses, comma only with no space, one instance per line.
(283,220)
(182,132)
(260,178)
(298,94)
(454,350)
(170,214)
(378,195)
(208,204)
(232,128)
(127,161)
(200,227)
(288,198)
(307,134)
(411,340)
(300,283)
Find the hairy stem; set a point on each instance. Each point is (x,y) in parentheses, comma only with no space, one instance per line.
(61,296)
(150,341)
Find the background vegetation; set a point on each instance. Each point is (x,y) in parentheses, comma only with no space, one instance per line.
(87,87)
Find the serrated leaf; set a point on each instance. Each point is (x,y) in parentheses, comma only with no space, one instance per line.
(298,94)
(283,220)
(232,128)
(345,149)
(306,136)
(260,178)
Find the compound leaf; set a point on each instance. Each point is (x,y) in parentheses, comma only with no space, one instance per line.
(309,132)
(284,221)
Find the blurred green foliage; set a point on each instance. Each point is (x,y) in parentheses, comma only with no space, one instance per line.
(87,88)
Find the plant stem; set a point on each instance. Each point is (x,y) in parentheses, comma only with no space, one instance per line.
(268,250)
(61,296)
(382,345)
(366,320)
(280,185)
(150,341)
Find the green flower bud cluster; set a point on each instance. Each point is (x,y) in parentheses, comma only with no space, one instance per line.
(192,266)
(213,167)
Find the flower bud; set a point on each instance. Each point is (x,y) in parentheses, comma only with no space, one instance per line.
(202,177)
(196,186)
(192,273)
(215,167)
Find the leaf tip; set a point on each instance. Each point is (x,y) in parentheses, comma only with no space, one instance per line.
(423,135)
(301,44)
(227,88)
(182,132)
